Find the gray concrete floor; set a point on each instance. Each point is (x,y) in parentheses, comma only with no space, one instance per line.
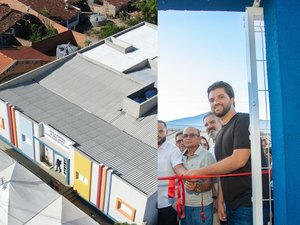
(46,175)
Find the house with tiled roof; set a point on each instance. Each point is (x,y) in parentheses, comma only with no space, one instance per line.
(112,7)
(109,8)
(16,60)
(10,20)
(97,114)
(61,11)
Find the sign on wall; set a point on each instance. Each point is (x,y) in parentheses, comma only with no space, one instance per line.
(57,138)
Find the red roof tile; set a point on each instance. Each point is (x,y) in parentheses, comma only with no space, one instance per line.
(21,52)
(4,61)
(8,17)
(56,8)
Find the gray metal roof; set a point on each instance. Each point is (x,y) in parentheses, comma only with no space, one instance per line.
(145,75)
(101,91)
(82,98)
(133,160)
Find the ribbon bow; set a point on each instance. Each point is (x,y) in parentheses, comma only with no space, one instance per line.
(180,194)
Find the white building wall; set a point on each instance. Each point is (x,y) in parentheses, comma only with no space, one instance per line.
(107,192)
(37,132)
(24,131)
(131,196)
(19,136)
(71,155)
(94,182)
(3,114)
(151,209)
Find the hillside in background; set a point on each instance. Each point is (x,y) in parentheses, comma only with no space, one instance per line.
(197,121)
(179,124)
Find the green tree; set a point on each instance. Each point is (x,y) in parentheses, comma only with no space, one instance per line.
(36,32)
(134,20)
(45,12)
(109,29)
(51,31)
(148,8)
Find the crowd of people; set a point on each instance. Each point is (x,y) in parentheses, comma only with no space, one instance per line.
(217,199)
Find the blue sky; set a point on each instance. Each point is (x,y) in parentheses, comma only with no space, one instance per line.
(197,48)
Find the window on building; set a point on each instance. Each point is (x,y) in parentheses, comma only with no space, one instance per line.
(82,178)
(26,139)
(125,209)
(2,123)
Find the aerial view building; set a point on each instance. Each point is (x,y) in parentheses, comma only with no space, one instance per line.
(95,112)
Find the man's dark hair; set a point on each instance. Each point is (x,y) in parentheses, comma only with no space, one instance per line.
(177,134)
(164,123)
(221,84)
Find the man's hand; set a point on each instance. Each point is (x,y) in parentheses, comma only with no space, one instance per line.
(190,185)
(221,212)
(203,187)
(192,173)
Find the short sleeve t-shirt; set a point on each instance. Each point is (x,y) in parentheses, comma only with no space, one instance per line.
(235,134)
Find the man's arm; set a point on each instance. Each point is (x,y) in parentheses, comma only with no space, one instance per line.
(231,163)
(220,202)
(180,169)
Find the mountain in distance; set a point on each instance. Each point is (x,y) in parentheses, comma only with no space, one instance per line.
(197,121)
(180,124)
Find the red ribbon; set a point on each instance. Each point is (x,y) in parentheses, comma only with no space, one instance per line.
(180,186)
(171,188)
(211,176)
(180,201)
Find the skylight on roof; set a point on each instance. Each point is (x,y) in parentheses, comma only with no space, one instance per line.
(119,45)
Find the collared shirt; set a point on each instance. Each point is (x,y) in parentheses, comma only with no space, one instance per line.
(212,151)
(168,157)
(200,158)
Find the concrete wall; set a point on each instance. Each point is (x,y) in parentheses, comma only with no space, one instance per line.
(47,45)
(94,183)
(4,132)
(151,209)
(135,200)
(82,166)
(282,22)
(37,132)
(25,135)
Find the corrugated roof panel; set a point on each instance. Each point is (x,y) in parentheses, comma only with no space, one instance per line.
(82,100)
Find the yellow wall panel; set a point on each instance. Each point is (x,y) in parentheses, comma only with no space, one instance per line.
(82,175)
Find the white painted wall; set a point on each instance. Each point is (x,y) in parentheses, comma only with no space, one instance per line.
(94,183)
(151,209)
(72,152)
(37,130)
(129,194)
(3,113)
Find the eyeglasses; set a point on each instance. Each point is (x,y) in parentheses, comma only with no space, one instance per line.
(190,135)
(179,141)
